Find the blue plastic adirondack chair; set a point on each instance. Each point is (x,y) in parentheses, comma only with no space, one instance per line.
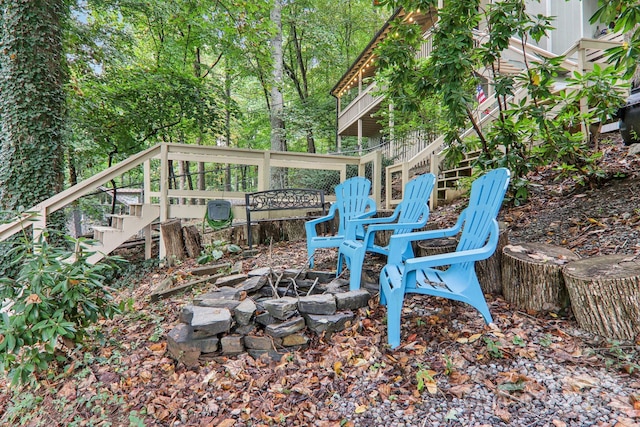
(459,282)
(412,213)
(352,201)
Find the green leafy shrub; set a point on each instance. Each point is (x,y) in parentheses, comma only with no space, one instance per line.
(52,301)
(216,250)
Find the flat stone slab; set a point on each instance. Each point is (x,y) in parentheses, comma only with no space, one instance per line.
(258,342)
(206,345)
(263,271)
(244,311)
(290,273)
(331,323)
(281,308)
(226,292)
(352,300)
(285,328)
(265,319)
(335,286)
(209,270)
(295,340)
(180,345)
(322,276)
(229,304)
(231,280)
(252,284)
(232,344)
(317,304)
(211,320)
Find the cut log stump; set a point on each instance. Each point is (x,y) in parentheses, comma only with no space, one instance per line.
(192,241)
(605,295)
(532,276)
(489,271)
(173,240)
(436,246)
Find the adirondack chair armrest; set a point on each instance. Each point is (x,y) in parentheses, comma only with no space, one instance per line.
(456,257)
(398,242)
(354,224)
(447,258)
(310,226)
(374,228)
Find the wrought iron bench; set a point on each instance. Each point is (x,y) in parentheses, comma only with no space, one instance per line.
(283,199)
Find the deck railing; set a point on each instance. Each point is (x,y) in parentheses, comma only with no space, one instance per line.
(176,203)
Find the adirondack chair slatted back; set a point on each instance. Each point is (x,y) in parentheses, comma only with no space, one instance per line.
(416,195)
(411,214)
(352,198)
(487,193)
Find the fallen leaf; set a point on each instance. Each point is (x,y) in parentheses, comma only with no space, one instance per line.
(503,414)
(159,347)
(337,367)
(229,422)
(581,381)
(360,409)
(460,390)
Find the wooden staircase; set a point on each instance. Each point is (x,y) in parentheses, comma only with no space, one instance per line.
(122,228)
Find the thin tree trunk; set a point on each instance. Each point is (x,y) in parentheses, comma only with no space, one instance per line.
(277,100)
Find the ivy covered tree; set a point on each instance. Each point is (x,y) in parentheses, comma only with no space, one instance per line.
(32,105)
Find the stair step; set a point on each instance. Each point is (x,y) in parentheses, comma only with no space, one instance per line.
(99,231)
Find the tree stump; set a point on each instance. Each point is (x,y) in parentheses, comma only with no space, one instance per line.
(173,241)
(436,246)
(605,295)
(532,276)
(192,241)
(489,271)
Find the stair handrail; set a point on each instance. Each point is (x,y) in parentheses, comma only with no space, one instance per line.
(73,193)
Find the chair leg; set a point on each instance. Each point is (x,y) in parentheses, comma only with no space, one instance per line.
(355,279)
(394,311)
(310,252)
(339,265)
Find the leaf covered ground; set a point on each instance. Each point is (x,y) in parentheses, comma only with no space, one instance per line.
(449,359)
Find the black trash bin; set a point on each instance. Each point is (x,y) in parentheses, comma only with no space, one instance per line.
(630,118)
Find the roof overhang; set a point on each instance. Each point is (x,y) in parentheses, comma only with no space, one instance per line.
(364,63)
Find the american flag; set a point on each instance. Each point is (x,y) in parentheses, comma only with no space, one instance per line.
(480,94)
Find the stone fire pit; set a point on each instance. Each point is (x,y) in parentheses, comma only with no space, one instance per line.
(265,311)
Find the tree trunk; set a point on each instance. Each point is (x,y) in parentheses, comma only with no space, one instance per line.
(173,240)
(278,175)
(32,103)
(489,271)
(532,276)
(192,241)
(605,295)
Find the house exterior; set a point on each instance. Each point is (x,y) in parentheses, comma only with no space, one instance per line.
(358,106)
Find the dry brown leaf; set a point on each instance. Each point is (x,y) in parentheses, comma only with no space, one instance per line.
(460,390)
(337,367)
(68,391)
(229,422)
(626,422)
(558,423)
(579,382)
(503,414)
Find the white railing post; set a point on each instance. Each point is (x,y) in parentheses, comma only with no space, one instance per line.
(376,177)
(146,200)
(40,223)
(264,172)
(164,192)
(433,168)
